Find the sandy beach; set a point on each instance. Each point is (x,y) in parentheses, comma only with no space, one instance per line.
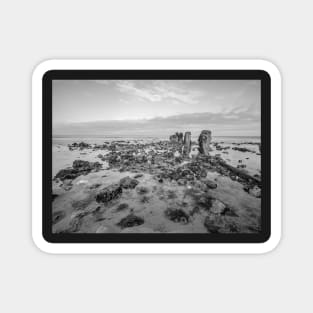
(154,186)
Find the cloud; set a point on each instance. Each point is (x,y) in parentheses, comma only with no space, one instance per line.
(129,87)
(157,91)
(243,123)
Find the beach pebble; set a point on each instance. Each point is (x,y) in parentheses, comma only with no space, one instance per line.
(109,193)
(58,216)
(210,184)
(142,190)
(217,207)
(210,225)
(130,220)
(128,183)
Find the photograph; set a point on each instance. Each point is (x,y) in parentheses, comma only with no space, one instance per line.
(156,156)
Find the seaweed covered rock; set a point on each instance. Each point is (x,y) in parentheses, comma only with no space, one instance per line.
(128,183)
(67,173)
(210,184)
(131,220)
(211,226)
(212,204)
(79,167)
(187,172)
(177,215)
(81,146)
(177,137)
(242,149)
(109,193)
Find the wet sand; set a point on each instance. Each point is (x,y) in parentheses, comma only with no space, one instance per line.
(166,192)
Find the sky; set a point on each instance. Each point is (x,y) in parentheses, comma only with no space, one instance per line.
(156,107)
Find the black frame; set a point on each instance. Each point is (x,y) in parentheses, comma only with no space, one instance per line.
(51,75)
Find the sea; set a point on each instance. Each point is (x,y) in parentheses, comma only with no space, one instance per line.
(65,140)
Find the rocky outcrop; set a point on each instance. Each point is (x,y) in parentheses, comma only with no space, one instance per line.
(204,142)
(187,143)
(130,220)
(177,137)
(79,167)
(177,215)
(109,193)
(80,146)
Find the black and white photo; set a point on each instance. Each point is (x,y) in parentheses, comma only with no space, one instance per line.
(156,156)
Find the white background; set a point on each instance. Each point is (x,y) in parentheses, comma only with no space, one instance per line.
(32,31)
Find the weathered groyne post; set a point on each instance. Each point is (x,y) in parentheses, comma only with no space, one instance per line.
(187,143)
(177,137)
(204,142)
(180,137)
(173,138)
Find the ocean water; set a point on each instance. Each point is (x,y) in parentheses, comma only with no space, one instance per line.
(65,140)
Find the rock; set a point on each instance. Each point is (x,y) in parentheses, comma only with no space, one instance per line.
(94,186)
(138,175)
(145,199)
(241,166)
(210,184)
(242,149)
(128,183)
(80,164)
(79,167)
(255,191)
(218,207)
(194,211)
(211,204)
(178,137)
(80,146)
(58,216)
(210,225)
(177,215)
(173,138)
(204,142)
(229,212)
(187,143)
(109,193)
(67,173)
(205,201)
(122,207)
(130,220)
(142,190)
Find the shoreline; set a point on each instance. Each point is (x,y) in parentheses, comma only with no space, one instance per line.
(122,186)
